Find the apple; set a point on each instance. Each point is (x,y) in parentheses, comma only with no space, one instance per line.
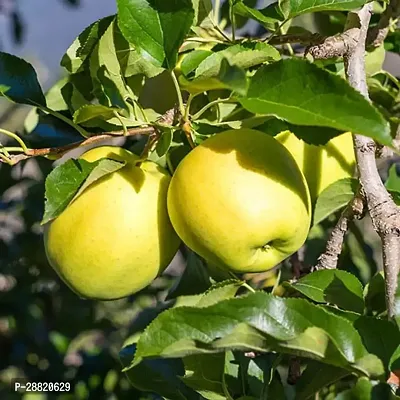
(240,201)
(322,165)
(116,237)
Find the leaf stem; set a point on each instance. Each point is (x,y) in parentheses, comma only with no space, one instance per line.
(248,287)
(217,7)
(124,128)
(232,18)
(15,137)
(276,284)
(211,104)
(188,104)
(5,159)
(179,93)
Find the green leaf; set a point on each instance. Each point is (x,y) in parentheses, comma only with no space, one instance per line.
(374,294)
(91,111)
(267,17)
(195,279)
(291,8)
(241,55)
(204,373)
(315,377)
(303,94)
(393,181)
(18,81)
(68,181)
(334,197)
(157,28)
(163,376)
(260,322)
(365,389)
(131,62)
(84,44)
(105,70)
(332,286)
(379,336)
(164,143)
(227,77)
(203,13)
(193,60)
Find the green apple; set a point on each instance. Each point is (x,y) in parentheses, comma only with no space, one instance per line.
(240,201)
(321,165)
(116,237)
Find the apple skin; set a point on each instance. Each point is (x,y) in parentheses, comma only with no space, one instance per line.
(322,165)
(240,201)
(116,237)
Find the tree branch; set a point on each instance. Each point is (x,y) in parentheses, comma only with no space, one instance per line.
(385,215)
(335,46)
(354,210)
(168,119)
(377,34)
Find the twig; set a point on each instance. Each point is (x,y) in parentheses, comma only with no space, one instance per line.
(354,210)
(384,213)
(306,39)
(378,33)
(168,119)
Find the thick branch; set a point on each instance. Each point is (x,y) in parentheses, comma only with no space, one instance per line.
(354,210)
(335,46)
(378,33)
(384,213)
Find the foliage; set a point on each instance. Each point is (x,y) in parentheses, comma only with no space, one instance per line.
(202,335)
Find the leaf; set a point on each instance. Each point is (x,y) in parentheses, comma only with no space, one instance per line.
(68,180)
(365,389)
(393,181)
(204,373)
(227,77)
(374,294)
(163,376)
(157,28)
(91,111)
(105,70)
(267,17)
(195,279)
(303,94)
(193,60)
(18,81)
(241,55)
(219,291)
(203,10)
(292,8)
(334,197)
(84,44)
(131,62)
(315,377)
(332,286)
(164,143)
(264,323)
(379,336)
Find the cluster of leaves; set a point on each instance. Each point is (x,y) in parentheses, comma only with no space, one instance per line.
(125,71)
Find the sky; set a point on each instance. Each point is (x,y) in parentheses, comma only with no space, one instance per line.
(51,26)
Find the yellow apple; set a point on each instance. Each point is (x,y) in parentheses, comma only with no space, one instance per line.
(322,165)
(116,237)
(240,201)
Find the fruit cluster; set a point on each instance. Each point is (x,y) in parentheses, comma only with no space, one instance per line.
(242,200)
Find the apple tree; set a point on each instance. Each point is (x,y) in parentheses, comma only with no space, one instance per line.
(297,90)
